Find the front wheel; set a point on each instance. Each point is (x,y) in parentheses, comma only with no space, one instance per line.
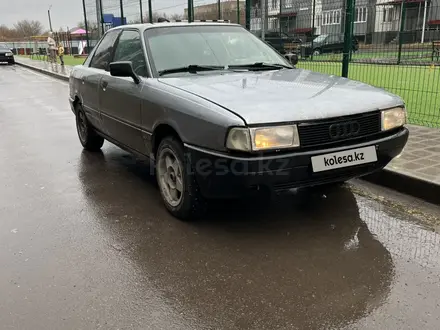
(178,187)
(88,137)
(316,52)
(11,62)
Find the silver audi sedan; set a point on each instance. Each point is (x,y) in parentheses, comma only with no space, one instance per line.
(222,114)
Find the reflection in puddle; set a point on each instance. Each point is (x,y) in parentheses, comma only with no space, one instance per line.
(402,238)
(303,262)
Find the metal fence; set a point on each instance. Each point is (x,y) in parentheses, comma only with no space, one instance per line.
(392,44)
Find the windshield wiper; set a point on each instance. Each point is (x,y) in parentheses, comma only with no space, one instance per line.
(193,68)
(260,66)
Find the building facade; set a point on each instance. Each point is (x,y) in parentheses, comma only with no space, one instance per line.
(375,21)
(228,11)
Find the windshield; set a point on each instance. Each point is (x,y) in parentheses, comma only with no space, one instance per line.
(175,47)
(320,38)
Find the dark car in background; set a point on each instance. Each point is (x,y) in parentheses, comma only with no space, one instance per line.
(6,55)
(282,42)
(326,43)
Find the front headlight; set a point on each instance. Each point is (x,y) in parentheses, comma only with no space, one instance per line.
(392,118)
(9,54)
(263,138)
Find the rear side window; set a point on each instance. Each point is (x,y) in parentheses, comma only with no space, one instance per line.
(129,48)
(333,39)
(103,54)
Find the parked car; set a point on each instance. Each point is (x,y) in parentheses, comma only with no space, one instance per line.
(6,55)
(281,41)
(221,113)
(326,43)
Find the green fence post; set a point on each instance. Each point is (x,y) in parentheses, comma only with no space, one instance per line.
(219,10)
(313,28)
(190,11)
(248,15)
(238,11)
(102,17)
(150,11)
(353,15)
(402,27)
(141,11)
(121,4)
(279,15)
(86,26)
(347,38)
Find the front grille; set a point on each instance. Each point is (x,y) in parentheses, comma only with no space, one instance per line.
(318,132)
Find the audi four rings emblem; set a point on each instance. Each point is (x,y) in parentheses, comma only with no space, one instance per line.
(344,130)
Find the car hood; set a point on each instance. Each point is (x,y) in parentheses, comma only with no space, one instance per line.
(285,95)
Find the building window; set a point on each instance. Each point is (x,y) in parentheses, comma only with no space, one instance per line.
(389,14)
(360,15)
(331,17)
(288,4)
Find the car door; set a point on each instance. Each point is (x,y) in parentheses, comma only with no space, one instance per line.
(120,97)
(91,76)
(329,43)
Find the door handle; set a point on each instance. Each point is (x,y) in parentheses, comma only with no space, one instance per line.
(104,85)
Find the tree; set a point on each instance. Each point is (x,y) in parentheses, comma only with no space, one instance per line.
(7,33)
(92,27)
(156,16)
(176,17)
(27,28)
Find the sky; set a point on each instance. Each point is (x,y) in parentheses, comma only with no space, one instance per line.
(67,13)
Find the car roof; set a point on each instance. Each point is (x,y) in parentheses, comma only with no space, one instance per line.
(146,26)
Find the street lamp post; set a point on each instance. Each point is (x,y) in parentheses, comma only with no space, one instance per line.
(50,21)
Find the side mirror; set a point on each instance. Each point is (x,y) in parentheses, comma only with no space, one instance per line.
(292,58)
(124,69)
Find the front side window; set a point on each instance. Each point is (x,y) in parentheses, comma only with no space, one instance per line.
(320,38)
(175,47)
(102,57)
(129,48)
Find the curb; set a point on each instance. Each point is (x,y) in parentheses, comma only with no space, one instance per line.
(403,183)
(406,184)
(44,71)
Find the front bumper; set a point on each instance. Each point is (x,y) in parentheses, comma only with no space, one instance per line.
(223,176)
(4,58)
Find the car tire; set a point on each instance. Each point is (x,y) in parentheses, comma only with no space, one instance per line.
(178,186)
(316,52)
(11,62)
(88,137)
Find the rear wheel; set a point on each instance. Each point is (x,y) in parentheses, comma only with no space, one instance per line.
(178,187)
(316,52)
(88,137)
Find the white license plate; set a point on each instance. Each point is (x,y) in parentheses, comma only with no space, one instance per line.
(344,159)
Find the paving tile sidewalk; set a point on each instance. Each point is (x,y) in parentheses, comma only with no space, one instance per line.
(421,157)
(416,171)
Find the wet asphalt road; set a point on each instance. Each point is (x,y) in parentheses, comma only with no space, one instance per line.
(85,242)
